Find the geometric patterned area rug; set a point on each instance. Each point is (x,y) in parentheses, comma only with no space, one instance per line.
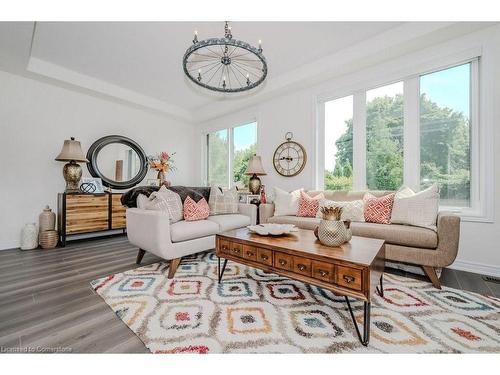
(256,312)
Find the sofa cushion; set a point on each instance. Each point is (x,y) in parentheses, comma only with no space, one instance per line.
(396,234)
(419,209)
(286,203)
(300,222)
(223,201)
(378,210)
(189,230)
(309,206)
(230,221)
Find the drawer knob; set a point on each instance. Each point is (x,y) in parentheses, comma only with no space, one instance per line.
(282,262)
(236,250)
(249,253)
(348,279)
(265,257)
(323,273)
(224,247)
(301,267)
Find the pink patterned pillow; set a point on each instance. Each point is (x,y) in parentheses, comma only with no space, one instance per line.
(195,211)
(308,207)
(378,210)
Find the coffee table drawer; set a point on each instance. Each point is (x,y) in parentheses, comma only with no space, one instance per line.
(302,266)
(224,246)
(265,256)
(283,261)
(323,271)
(236,249)
(349,277)
(250,253)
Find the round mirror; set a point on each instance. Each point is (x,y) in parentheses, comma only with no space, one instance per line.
(119,161)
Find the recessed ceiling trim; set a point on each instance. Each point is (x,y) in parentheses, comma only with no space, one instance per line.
(50,70)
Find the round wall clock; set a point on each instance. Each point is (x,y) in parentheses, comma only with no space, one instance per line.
(290,157)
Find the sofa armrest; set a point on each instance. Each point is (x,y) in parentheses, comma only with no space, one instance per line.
(149,230)
(266,211)
(249,210)
(448,230)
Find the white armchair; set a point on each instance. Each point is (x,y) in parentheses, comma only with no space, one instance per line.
(151,231)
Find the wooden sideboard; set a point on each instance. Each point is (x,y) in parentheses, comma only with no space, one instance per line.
(79,213)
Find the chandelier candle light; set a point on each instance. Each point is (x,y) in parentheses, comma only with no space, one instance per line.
(225,64)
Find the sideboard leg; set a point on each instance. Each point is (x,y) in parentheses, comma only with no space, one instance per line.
(219,271)
(366,322)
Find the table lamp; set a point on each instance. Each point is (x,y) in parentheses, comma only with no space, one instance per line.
(72,172)
(255,169)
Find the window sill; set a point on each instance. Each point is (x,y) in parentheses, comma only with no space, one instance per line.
(468,215)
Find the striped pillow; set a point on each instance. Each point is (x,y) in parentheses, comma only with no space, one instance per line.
(170,201)
(223,202)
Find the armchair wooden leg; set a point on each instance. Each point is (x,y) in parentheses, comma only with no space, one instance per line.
(174,263)
(431,274)
(140,255)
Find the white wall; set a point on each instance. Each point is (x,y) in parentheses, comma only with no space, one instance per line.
(35,119)
(296,112)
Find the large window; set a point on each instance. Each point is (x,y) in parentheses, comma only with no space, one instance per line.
(445,133)
(384,137)
(228,153)
(338,144)
(416,132)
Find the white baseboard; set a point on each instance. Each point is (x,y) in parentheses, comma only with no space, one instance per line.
(9,245)
(481,268)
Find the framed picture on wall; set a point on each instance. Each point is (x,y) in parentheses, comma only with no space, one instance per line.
(253,198)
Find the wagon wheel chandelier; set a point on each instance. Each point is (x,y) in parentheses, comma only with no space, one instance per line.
(225,64)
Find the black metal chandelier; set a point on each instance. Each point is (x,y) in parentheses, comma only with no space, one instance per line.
(225,64)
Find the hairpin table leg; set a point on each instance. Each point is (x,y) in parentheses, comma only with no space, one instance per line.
(366,322)
(381,290)
(220,271)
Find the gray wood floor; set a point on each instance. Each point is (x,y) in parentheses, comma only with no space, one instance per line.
(46,300)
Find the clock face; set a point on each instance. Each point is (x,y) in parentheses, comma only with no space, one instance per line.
(289,158)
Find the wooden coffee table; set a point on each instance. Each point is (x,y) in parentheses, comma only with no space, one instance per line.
(354,269)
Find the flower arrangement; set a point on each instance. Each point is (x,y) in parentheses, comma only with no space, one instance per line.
(161,162)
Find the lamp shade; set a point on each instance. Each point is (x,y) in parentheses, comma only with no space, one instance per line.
(71,150)
(255,166)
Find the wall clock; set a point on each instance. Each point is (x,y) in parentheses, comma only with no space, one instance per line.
(290,157)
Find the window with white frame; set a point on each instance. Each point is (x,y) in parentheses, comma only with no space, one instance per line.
(417,132)
(228,153)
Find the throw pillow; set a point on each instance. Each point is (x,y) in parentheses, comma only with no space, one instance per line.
(172,202)
(142,201)
(195,211)
(378,210)
(286,203)
(418,209)
(158,204)
(351,210)
(223,201)
(308,207)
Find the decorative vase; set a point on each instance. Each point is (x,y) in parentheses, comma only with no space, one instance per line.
(48,239)
(334,232)
(161,176)
(29,237)
(47,220)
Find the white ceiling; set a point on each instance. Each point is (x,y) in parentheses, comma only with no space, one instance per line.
(141,62)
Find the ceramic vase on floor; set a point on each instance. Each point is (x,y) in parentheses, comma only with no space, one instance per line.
(47,220)
(29,237)
(48,239)
(334,232)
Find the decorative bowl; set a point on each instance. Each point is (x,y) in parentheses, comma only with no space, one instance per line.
(272,229)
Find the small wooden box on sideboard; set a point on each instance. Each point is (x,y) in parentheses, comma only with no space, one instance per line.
(80,213)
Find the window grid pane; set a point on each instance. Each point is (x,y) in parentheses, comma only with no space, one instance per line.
(338,144)
(218,158)
(244,146)
(445,129)
(384,137)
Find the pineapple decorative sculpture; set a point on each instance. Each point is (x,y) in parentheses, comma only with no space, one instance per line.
(332,230)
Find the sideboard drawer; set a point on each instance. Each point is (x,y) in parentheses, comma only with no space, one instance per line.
(349,277)
(224,246)
(249,253)
(283,261)
(86,213)
(323,271)
(302,266)
(118,218)
(265,256)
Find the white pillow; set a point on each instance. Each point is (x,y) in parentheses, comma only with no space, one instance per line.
(418,209)
(223,202)
(351,210)
(172,204)
(141,201)
(286,203)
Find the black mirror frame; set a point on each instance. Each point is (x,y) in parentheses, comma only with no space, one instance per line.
(93,152)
